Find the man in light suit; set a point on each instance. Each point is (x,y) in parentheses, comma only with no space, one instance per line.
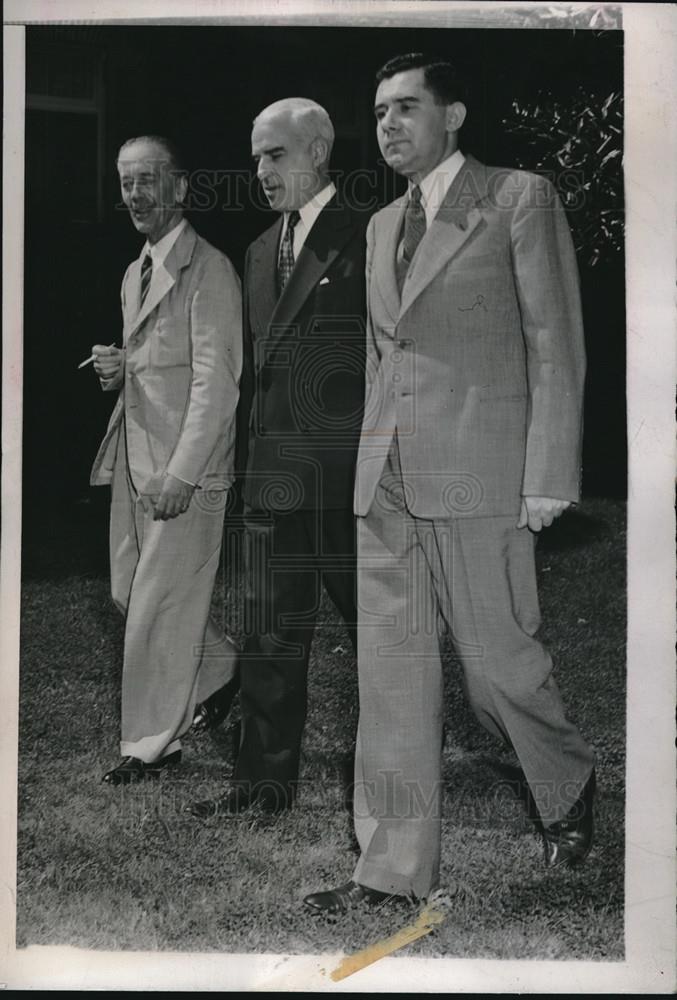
(168,454)
(300,415)
(470,444)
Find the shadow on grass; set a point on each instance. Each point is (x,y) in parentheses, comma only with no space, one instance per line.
(573,530)
(133,871)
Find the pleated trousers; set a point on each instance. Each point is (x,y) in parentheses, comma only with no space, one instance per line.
(476,576)
(162,580)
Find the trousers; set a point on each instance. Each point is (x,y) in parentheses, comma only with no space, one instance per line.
(289,558)
(476,577)
(162,580)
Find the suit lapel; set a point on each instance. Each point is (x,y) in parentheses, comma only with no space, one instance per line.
(331,231)
(262,278)
(384,263)
(454,223)
(132,294)
(164,277)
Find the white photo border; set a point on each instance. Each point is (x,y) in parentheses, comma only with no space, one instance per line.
(651,243)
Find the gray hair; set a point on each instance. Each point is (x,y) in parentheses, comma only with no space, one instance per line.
(169,148)
(308,118)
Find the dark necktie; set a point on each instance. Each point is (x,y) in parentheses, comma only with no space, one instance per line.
(285,264)
(414,231)
(146,274)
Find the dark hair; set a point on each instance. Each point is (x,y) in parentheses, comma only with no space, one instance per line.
(440,76)
(169,147)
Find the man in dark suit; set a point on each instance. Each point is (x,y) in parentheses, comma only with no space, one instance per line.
(471,444)
(301,410)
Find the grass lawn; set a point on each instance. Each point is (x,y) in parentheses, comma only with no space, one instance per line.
(126,868)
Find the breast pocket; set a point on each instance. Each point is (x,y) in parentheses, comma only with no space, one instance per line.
(333,292)
(475,262)
(170,344)
(480,293)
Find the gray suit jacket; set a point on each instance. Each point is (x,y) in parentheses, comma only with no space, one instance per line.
(179,383)
(480,364)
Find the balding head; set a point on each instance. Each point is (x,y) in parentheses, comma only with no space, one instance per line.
(292,141)
(307,119)
(153,184)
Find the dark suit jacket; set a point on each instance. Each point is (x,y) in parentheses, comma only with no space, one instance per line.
(302,387)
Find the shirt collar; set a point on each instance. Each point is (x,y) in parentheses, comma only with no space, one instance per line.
(312,208)
(435,185)
(160,250)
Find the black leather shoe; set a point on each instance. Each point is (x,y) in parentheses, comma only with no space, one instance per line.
(568,842)
(346,896)
(233,802)
(213,710)
(227,805)
(132,769)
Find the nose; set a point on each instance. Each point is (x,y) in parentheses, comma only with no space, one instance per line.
(388,120)
(262,170)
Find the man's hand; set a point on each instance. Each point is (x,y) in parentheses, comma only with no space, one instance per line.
(540,512)
(174,498)
(107,361)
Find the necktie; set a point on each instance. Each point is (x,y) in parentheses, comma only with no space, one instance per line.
(285,264)
(146,274)
(414,224)
(414,231)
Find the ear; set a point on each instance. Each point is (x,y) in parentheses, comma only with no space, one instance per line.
(456,113)
(181,188)
(319,151)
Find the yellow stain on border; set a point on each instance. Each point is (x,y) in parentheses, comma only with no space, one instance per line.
(426,921)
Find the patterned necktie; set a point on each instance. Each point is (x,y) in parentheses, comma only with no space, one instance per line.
(414,231)
(146,274)
(285,264)
(414,224)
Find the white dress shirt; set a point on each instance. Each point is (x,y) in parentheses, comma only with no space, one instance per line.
(308,215)
(435,185)
(159,251)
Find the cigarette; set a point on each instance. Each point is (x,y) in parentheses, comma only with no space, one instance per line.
(91,358)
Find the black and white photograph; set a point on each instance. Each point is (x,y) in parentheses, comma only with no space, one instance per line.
(337,496)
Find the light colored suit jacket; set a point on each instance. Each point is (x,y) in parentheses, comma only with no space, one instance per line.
(182,364)
(480,364)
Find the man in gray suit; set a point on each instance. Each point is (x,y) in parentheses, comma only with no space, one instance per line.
(168,456)
(470,444)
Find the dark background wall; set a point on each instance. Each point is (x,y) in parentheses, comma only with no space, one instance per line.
(90,88)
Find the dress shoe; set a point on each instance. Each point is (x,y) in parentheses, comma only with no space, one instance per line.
(211,712)
(568,841)
(233,802)
(345,897)
(132,769)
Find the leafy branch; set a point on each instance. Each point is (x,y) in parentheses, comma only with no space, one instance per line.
(578,143)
